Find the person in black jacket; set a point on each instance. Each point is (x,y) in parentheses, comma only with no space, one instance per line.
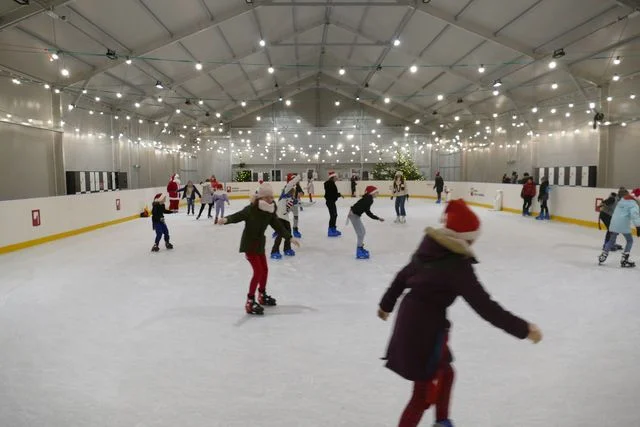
(439,187)
(157,219)
(354,183)
(331,195)
(363,206)
(606,211)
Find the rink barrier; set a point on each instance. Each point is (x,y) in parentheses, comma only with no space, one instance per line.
(67,216)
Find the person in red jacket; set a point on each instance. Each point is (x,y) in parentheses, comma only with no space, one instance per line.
(527,194)
(440,271)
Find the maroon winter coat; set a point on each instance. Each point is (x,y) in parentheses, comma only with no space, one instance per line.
(528,189)
(440,271)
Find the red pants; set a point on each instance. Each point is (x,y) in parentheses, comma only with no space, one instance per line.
(426,393)
(260,273)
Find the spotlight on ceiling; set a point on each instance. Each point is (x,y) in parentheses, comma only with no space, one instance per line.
(558,53)
(497,83)
(22,2)
(159,85)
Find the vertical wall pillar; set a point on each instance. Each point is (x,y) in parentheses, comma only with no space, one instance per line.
(60,181)
(605,145)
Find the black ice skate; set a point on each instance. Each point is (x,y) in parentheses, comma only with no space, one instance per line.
(155,248)
(625,263)
(252,307)
(168,245)
(603,257)
(267,300)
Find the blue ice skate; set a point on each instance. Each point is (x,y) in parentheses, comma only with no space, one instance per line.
(276,255)
(444,423)
(438,202)
(333,232)
(547,217)
(361,253)
(540,217)
(297,234)
(290,252)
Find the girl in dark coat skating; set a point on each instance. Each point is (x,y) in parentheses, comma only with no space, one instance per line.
(440,271)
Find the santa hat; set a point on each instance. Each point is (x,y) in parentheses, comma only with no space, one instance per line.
(265,190)
(159,198)
(219,186)
(290,176)
(260,181)
(332,174)
(636,193)
(461,221)
(438,173)
(371,190)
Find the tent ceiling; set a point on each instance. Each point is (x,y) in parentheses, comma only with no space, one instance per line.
(307,42)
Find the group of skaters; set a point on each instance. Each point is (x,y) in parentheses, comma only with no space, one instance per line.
(529,191)
(620,212)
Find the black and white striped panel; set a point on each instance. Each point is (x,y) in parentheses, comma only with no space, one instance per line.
(83,182)
(575,176)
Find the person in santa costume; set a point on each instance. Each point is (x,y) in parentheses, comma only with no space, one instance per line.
(172,189)
(440,271)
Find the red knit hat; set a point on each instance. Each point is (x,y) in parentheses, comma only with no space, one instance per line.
(332,174)
(636,192)
(462,220)
(370,189)
(159,198)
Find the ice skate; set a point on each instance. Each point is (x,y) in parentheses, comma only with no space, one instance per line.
(274,235)
(603,257)
(547,216)
(252,307)
(296,233)
(625,263)
(403,220)
(155,248)
(397,220)
(361,253)
(540,217)
(289,252)
(267,300)
(168,245)
(444,423)
(276,255)
(438,202)
(333,232)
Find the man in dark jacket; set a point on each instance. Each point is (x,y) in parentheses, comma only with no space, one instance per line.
(606,211)
(331,195)
(439,187)
(440,271)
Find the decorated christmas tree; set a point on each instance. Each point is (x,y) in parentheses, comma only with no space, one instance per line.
(404,163)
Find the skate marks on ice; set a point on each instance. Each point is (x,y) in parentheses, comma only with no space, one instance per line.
(279,310)
(204,312)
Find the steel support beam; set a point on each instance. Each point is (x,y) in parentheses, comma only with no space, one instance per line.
(25,12)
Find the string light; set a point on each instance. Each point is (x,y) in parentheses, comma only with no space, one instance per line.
(616,77)
(413,68)
(396,42)
(534,110)
(271,70)
(288,102)
(243,104)
(262,43)
(16,81)
(198,66)
(97,98)
(617,61)
(47,86)
(632,96)
(553,65)
(341,71)
(64,72)
(128,61)
(481,69)
(554,86)
(387,100)
(496,92)
(118,95)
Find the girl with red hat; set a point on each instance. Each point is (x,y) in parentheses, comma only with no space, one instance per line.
(440,271)
(355,216)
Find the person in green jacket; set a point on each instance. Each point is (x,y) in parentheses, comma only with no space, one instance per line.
(259,214)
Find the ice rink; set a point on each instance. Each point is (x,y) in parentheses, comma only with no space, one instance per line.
(95,330)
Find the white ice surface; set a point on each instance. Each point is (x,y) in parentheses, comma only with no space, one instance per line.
(97,331)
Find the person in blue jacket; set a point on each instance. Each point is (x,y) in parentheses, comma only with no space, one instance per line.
(626,215)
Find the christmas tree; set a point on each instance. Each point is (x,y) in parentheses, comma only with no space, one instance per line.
(404,163)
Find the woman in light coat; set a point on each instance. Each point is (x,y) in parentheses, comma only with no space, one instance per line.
(625,216)
(207,198)
(399,189)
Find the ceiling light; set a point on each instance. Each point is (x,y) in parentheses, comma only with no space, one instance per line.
(47,86)
(534,110)
(554,86)
(440,97)
(118,95)
(178,111)
(128,61)
(567,114)
(417,121)
(218,115)
(200,102)
(396,42)
(413,68)
(263,43)
(337,103)
(387,100)
(495,115)
(632,96)
(271,70)
(159,85)
(481,69)
(497,83)
(258,118)
(97,99)
(64,72)
(496,92)
(616,77)
(243,103)
(55,56)
(592,105)
(84,91)
(617,61)
(571,105)
(553,111)
(159,99)
(341,71)
(456,118)
(553,64)
(287,102)
(558,53)
(623,124)
(71,107)
(198,66)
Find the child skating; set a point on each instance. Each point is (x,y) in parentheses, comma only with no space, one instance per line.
(157,220)
(440,270)
(220,197)
(355,217)
(190,192)
(285,205)
(259,214)
(625,216)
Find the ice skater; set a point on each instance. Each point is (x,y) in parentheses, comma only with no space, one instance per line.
(157,220)
(220,197)
(331,196)
(297,207)
(399,189)
(259,214)
(607,207)
(528,193)
(310,188)
(543,199)
(284,207)
(355,217)
(440,270)
(439,187)
(206,198)
(626,215)
(354,184)
(189,192)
